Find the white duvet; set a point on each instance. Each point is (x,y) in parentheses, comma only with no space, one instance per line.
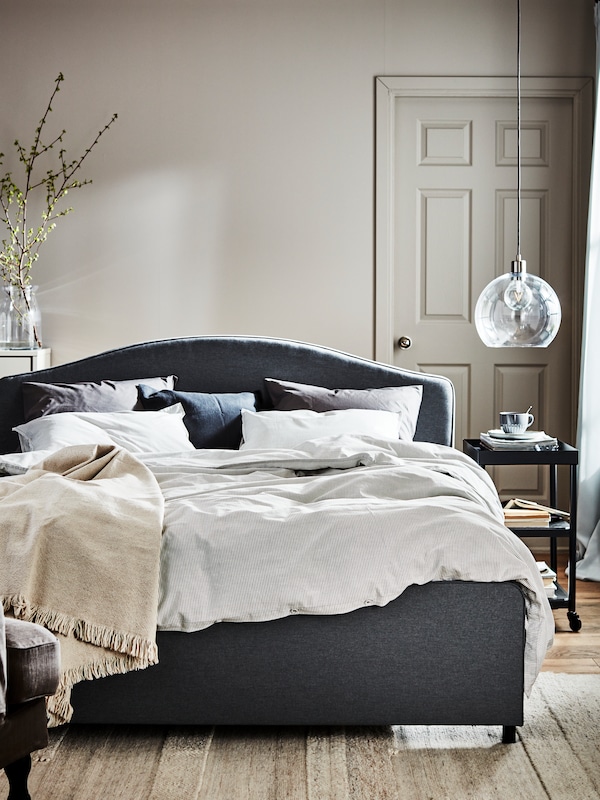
(342,522)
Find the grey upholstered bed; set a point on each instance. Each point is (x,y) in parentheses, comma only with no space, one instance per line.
(447,652)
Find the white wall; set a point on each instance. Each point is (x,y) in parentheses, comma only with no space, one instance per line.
(235,192)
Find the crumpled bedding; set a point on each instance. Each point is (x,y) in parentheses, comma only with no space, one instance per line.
(339,523)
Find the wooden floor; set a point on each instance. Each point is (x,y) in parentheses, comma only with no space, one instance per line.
(576,652)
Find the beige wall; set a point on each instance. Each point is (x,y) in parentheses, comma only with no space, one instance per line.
(235,193)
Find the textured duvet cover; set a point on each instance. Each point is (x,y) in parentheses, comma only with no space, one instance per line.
(339,523)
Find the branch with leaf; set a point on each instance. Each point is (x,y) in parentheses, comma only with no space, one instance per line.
(20,248)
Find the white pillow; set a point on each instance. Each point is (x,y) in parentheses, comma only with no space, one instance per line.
(288,429)
(136,431)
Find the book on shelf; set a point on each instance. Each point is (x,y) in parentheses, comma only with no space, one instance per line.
(526,518)
(539,442)
(548,577)
(530,505)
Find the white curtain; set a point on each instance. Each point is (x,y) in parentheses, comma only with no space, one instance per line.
(588,433)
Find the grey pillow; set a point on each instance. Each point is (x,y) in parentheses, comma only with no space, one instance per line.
(40,399)
(404,400)
(212,420)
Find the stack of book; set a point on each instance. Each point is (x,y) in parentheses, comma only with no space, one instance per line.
(529,514)
(526,518)
(528,440)
(548,577)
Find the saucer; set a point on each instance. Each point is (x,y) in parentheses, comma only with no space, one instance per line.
(498,433)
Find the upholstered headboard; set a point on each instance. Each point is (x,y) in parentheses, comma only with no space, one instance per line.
(236,364)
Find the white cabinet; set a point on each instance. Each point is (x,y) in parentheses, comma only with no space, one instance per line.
(13,362)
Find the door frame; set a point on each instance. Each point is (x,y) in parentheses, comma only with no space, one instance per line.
(578,90)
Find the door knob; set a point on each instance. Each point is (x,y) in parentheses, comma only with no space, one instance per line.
(405,342)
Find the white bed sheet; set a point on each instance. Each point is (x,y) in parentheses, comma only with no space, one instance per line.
(339,523)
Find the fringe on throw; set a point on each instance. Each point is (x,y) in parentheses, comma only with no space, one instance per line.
(58,706)
(120,642)
(131,651)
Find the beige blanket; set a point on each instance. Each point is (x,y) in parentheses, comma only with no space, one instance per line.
(80,540)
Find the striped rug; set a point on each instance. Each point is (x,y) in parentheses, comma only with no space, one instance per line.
(557,755)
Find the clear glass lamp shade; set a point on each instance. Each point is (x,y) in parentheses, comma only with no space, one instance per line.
(517,310)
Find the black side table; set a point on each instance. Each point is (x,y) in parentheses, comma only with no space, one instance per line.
(559,528)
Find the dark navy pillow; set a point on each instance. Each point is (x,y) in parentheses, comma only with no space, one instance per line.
(212,420)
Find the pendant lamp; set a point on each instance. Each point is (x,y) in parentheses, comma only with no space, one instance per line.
(518,309)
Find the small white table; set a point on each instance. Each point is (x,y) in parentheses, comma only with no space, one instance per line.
(14,362)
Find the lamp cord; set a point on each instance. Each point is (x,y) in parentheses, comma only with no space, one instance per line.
(518,130)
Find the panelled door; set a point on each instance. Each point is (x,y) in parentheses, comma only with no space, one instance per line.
(446,226)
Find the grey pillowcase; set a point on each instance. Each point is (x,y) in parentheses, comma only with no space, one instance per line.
(404,400)
(40,399)
(213,420)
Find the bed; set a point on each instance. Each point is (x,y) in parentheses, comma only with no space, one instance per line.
(452,650)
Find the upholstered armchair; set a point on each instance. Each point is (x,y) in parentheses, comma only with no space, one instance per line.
(29,671)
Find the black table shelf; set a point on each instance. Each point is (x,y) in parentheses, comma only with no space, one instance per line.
(558,528)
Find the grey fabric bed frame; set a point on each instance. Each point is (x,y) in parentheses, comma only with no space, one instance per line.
(444,653)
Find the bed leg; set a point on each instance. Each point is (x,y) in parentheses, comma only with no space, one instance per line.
(509,734)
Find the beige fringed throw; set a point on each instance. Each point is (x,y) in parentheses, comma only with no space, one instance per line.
(80,540)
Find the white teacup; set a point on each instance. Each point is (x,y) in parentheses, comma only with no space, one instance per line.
(515,421)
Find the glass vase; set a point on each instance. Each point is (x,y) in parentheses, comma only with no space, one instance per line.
(20,319)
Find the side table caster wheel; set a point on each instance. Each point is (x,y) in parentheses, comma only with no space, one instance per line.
(574,621)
